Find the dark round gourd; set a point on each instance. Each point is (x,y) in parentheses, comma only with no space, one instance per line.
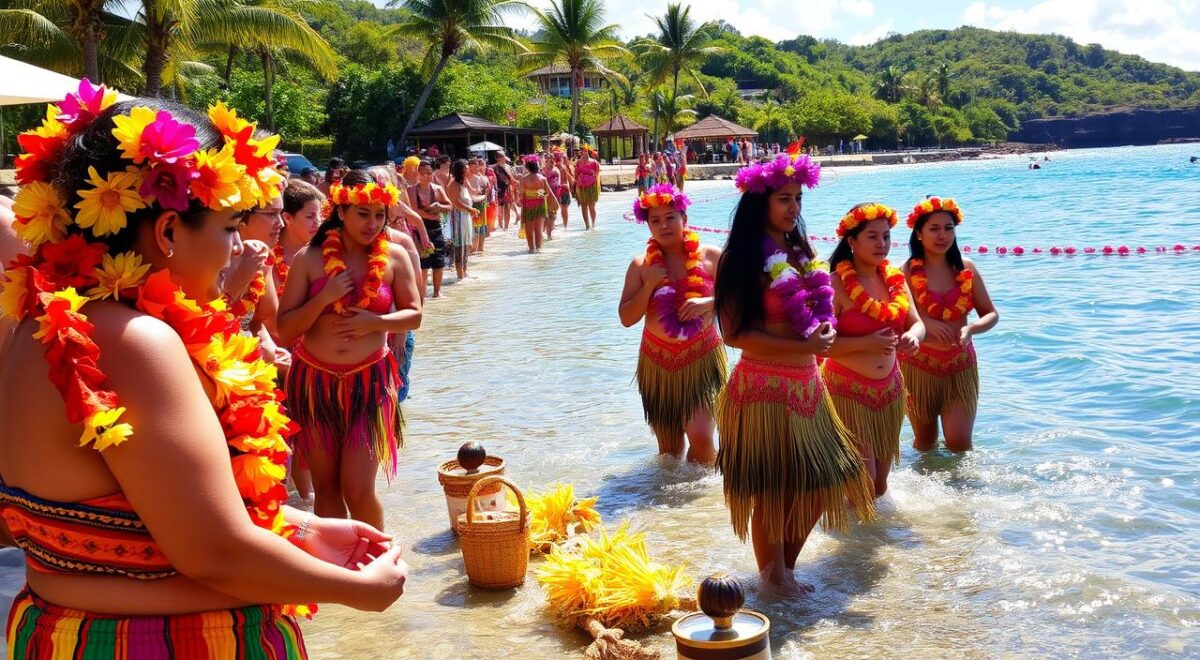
(720,597)
(471,455)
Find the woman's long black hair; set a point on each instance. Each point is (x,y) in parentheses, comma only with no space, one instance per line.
(916,249)
(334,221)
(738,287)
(458,171)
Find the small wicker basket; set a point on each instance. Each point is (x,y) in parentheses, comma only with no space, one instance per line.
(456,485)
(495,544)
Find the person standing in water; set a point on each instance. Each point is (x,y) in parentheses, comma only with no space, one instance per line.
(587,186)
(786,460)
(942,377)
(538,204)
(347,290)
(875,320)
(430,202)
(681,366)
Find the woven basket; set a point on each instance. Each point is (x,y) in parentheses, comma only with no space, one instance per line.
(457,486)
(495,544)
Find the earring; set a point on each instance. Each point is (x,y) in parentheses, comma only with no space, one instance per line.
(170,253)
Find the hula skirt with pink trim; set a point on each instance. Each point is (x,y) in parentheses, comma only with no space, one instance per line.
(346,406)
(679,379)
(38,630)
(784,452)
(872,409)
(939,380)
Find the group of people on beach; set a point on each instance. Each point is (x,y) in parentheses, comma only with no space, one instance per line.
(200,311)
(832,357)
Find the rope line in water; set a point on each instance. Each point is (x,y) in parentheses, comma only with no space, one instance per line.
(1015,250)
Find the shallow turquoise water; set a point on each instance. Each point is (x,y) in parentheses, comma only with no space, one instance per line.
(1070,530)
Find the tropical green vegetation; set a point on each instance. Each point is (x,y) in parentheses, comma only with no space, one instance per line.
(347,76)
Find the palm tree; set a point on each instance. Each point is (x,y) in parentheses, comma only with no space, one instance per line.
(175,30)
(450,27)
(573,33)
(924,88)
(680,47)
(773,122)
(943,75)
(671,110)
(890,84)
(64,36)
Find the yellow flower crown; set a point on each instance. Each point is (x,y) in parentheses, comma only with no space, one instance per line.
(866,213)
(364,193)
(166,166)
(934,204)
(663,194)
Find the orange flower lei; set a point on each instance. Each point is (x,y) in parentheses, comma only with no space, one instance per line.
(367,193)
(377,262)
(249,301)
(932,205)
(280,266)
(866,213)
(964,302)
(244,397)
(696,280)
(897,306)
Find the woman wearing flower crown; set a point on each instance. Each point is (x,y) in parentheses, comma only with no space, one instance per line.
(171,518)
(942,377)
(786,459)
(538,203)
(681,366)
(875,320)
(587,186)
(347,291)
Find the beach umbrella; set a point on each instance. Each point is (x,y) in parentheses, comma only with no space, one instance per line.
(859,137)
(485,146)
(26,83)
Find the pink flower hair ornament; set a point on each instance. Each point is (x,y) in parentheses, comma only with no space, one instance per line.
(778,172)
(662,194)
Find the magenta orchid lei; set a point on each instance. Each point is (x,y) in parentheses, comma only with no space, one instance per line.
(807,292)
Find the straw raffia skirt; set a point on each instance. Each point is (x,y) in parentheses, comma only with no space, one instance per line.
(784,452)
(351,406)
(872,409)
(531,212)
(679,379)
(940,380)
(590,194)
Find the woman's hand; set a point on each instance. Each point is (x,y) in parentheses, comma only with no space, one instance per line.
(357,324)
(882,341)
(908,343)
(654,275)
(336,288)
(344,542)
(383,578)
(695,308)
(821,340)
(244,267)
(964,335)
(941,332)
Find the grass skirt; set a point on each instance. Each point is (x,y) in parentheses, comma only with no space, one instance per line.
(479,222)
(529,213)
(346,406)
(676,380)
(871,409)
(590,194)
(939,380)
(783,450)
(38,630)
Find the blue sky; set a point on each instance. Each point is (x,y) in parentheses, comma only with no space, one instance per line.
(1159,30)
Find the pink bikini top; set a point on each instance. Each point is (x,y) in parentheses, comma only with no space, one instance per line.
(380,304)
(773,306)
(853,323)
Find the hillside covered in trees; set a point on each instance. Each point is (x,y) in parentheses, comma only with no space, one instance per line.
(345,75)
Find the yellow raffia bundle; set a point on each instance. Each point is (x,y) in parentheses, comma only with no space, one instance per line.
(557,515)
(611,579)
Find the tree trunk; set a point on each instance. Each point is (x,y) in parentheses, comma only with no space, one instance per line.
(156,48)
(91,57)
(229,64)
(420,107)
(268,65)
(574,100)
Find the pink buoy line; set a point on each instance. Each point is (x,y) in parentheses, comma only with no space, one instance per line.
(1015,250)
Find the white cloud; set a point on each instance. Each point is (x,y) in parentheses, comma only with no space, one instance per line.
(1158,30)
(868,37)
